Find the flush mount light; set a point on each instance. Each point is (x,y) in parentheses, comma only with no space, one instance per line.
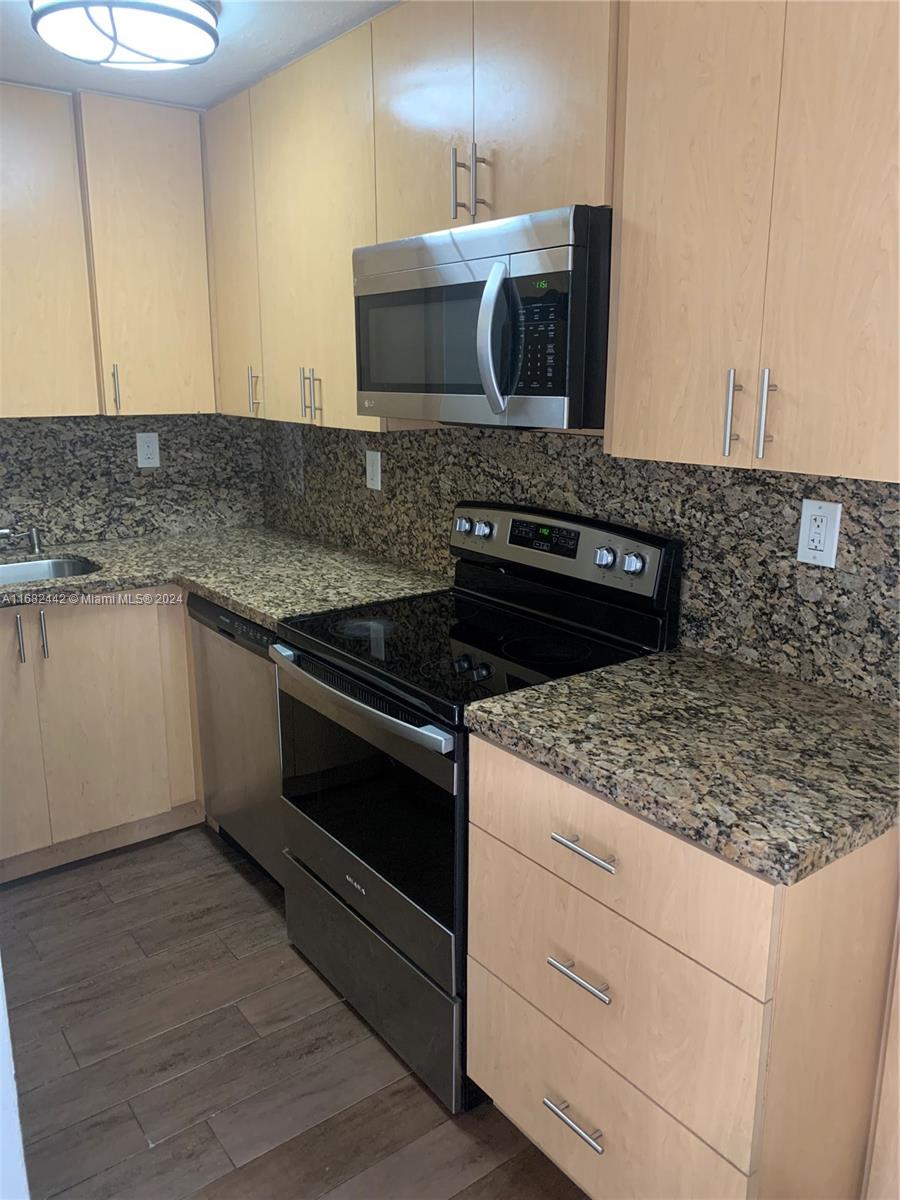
(135,35)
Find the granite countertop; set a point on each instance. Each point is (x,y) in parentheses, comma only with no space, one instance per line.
(261,574)
(778,776)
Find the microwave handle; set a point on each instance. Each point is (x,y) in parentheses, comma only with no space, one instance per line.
(484,340)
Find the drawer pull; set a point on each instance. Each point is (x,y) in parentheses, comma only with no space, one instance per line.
(601,992)
(606,864)
(558,1110)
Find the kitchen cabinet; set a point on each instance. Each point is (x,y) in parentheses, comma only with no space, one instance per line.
(24,813)
(757,192)
(46,338)
(544,90)
(144,189)
(234,267)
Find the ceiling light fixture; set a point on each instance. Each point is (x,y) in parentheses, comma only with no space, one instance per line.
(135,35)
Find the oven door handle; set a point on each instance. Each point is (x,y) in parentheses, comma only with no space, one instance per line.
(484,340)
(430,737)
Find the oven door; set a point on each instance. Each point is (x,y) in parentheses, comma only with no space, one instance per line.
(370,807)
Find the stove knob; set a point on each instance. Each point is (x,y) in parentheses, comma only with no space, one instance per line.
(482,671)
(633,564)
(483,529)
(604,556)
(463,525)
(462,664)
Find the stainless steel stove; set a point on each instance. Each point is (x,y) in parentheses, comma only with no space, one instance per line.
(372,702)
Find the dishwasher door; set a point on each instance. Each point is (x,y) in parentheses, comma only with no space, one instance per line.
(237,714)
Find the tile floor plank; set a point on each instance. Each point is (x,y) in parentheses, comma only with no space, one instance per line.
(40,977)
(23,914)
(262,1122)
(335,1150)
(528,1176)
(42,1061)
(137,1019)
(173,1170)
(283,1003)
(75,1154)
(255,933)
(54,1106)
(220,907)
(230,1078)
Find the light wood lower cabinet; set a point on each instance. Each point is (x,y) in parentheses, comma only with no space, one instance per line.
(24,815)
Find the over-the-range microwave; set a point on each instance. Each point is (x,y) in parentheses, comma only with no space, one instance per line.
(500,323)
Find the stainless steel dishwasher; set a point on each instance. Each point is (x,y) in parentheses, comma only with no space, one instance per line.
(237,714)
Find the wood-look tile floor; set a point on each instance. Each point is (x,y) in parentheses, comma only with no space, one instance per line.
(170,1043)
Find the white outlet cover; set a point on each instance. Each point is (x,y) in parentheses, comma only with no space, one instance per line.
(820,524)
(373,469)
(148,449)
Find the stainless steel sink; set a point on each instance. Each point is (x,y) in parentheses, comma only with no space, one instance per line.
(44,568)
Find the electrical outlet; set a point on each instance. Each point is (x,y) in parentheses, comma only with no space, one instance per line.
(373,469)
(820,523)
(148,449)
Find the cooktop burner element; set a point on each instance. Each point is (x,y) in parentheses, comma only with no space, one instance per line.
(559,650)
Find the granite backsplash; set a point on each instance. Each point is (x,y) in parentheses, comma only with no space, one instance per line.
(77,478)
(743,595)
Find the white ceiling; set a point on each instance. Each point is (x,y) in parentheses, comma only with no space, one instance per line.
(256,36)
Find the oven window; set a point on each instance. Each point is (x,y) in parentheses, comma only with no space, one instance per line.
(398,822)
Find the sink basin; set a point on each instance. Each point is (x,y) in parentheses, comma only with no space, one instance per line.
(44,568)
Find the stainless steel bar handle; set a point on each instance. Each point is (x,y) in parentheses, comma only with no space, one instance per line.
(45,645)
(314,409)
(558,1110)
(455,166)
(764,388)
(571,843)
(303,402)
(429,736)
(474,198)
(117,391)
(251,402)
(484,342)
(730,388)
(565,968)
(20,637)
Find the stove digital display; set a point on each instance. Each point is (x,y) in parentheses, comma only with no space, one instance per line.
(551,539)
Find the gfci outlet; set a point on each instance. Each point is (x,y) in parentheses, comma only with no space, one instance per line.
(820,523)
(148,449)
(373,469)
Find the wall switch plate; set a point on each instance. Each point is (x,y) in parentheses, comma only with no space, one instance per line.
(820,523)
(373,469)
(148,449)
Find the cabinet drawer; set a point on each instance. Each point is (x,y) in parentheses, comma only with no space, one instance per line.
(684,1036)
(709,909)
(521,1058)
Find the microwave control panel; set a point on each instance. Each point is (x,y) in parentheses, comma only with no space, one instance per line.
(543,310)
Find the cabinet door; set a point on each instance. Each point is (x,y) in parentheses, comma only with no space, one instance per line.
(46,340)
(234,269)
(24,815)
(100,695)
(695,162)
(422,61)
(284,176)
(544,104)
(831,315)
(145,199)
(338,208)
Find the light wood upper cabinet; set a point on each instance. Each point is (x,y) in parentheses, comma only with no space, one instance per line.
(544,104)
(831,310)
(24,815)
(422,64)
(144,188)
(46,340)
(234,268)
(695,161)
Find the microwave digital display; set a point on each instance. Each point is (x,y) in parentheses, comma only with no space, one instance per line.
(550,539)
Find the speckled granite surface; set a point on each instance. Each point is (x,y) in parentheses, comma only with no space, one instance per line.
(259,573)
(773,774)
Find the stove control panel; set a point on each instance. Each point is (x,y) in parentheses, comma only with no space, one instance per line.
(606,556)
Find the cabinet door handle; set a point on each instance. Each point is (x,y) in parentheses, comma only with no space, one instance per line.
(455,167)
(474,198)
(559,1110)
(730,388)
(606,864)
(117,391)
(251,401)
(45,645)
(565,968)
(315,410)
(303,403)
(20,637)
(764,388)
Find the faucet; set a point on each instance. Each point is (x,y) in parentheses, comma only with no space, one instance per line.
(33,535)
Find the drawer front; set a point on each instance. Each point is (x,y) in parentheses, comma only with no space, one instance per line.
(713,911)
(521,1058)
(684,1036)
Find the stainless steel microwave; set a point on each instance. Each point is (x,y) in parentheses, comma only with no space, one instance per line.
(500,323)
